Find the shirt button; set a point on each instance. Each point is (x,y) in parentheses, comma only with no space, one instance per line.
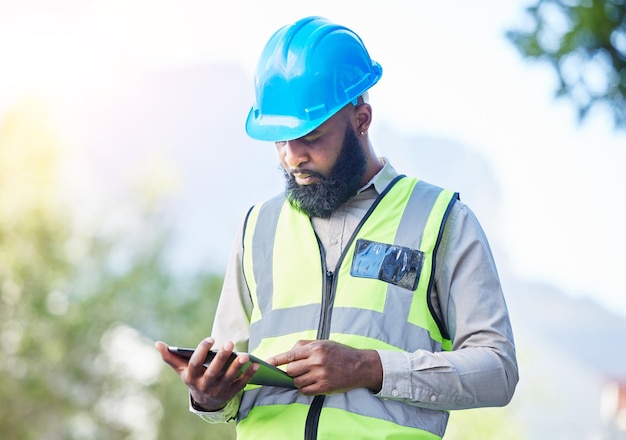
(333,241)
(433,398)
(394,393)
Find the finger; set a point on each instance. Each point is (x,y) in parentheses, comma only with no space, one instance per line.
(296,353)
(176,362)
(234,370)
(196,361)
(306,385)
(303,342)
(220,362)
(247,375)
(310,390)
(283,358)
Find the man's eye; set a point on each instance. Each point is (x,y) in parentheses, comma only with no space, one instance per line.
(311,141)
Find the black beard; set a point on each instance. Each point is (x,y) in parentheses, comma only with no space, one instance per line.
(322,198)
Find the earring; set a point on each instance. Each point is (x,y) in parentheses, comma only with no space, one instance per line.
(362,133)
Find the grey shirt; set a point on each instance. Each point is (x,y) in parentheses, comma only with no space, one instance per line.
(481,370)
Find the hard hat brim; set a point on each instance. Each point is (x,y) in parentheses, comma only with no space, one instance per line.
(281,128)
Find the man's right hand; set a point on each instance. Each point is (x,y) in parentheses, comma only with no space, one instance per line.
(210,389)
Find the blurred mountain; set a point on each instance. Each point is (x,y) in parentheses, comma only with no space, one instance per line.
(569,349)
(194,119)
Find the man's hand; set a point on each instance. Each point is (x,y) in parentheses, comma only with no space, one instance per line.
(325,367)
(210,388)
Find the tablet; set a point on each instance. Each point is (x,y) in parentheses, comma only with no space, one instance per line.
(267,374)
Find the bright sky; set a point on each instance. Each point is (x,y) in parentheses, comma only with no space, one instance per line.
(448,73)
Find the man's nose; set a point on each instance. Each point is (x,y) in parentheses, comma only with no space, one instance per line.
(295,153)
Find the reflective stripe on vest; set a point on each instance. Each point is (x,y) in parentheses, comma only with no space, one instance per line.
(293,300)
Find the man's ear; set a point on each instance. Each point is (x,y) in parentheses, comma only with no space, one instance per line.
(362,116)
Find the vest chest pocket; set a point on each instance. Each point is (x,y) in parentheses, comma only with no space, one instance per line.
(396,265)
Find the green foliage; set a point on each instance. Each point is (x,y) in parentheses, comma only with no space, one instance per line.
(585,42)
(81,305)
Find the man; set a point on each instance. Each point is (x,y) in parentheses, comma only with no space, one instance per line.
(376,292)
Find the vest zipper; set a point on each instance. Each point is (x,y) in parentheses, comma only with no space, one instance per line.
(313,417)
(328,298)
(323,331)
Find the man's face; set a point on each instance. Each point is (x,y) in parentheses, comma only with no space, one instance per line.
(324,168)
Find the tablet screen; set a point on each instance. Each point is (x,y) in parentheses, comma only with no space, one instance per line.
(267,374)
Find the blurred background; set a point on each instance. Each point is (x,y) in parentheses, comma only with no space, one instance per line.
(125,172)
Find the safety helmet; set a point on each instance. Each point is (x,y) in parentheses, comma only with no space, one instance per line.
(307,72)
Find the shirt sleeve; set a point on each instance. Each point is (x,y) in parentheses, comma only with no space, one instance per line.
(481,370)
(232,316)
(232,321)
(226,414)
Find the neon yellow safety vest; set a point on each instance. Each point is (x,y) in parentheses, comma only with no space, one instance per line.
(378,297)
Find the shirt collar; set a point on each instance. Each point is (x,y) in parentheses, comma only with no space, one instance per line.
(382,179)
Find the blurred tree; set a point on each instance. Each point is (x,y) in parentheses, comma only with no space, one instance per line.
(585,42)
(80,307)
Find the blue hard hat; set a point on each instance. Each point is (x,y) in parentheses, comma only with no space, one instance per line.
(307,72)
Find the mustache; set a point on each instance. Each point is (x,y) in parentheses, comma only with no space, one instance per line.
(293,171)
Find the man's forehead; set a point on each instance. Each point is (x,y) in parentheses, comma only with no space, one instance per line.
(338,119)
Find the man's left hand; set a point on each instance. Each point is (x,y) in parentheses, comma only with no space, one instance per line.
(326,367)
